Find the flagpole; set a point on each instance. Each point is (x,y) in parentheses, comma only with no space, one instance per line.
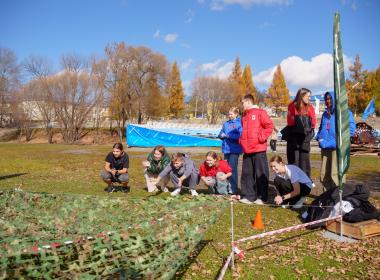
(232,238)
(342,126)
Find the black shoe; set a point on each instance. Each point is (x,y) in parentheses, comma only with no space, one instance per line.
(110,189)
(124,189)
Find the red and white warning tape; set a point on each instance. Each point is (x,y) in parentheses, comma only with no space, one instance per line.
(278,231)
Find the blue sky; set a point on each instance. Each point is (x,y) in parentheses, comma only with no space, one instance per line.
(203,36)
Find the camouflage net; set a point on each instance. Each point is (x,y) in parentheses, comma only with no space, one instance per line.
(63,236)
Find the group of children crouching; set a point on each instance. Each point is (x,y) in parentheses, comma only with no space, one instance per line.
(291,183)
(160,168)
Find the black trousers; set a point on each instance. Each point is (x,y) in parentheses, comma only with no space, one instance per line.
(254,176)
(299,154)
(285,186)
(273,144)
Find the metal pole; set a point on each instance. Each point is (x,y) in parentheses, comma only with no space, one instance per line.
(341,213)
(232,237)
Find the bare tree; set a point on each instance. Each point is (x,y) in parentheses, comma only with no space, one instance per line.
(131,72)
(25,110)
(213,94)
(74,97)
(9,82)
(40,69)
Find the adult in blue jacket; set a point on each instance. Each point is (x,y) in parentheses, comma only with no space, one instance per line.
(230,134)
(326,137)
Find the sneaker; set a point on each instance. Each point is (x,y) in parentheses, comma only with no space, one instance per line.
(175,192)
(165,189)
(299,203)
(193,193)
(235,197)
(246,201)
(285,205)
(110,189)
(152,190)
(124,189)
(258,202)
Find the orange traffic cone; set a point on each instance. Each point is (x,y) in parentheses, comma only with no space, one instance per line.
(258,222)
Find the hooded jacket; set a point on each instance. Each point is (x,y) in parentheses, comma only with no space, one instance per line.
(326,135)
(187,169)
(257,127)
(230,134)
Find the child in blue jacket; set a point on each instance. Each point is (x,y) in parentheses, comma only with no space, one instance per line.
(326,137)
(230,134)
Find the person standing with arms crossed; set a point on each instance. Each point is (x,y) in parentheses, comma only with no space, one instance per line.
(257,127)
(301,121)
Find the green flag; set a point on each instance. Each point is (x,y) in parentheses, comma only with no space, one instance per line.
(342,125)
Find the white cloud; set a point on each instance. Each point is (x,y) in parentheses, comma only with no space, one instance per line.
(170,38)
(186,64)
(156,34)
(218,5)
(315,73)
(216,69)
(189,16)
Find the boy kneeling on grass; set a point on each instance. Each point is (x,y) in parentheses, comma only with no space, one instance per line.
(182,172)
(116,169)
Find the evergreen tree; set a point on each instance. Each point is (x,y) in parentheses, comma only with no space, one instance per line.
(248,83)
(153,98)
(237,82)
(278,93)
(176,95)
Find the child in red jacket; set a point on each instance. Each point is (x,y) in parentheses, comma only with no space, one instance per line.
(257,127)
(215,172)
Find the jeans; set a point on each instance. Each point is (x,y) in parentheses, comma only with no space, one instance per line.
(233,160)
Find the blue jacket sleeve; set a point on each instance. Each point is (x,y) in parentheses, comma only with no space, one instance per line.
(320,128)
(222,131)
(236,133)
(352,123)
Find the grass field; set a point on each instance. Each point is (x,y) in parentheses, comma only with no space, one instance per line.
(295,255)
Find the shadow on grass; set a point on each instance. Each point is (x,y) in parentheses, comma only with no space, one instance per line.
(282,240)
(191,258)
(11,176)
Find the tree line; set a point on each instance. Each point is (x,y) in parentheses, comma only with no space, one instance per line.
(135,84)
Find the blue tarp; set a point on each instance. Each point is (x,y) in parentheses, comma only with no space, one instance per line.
(139,136)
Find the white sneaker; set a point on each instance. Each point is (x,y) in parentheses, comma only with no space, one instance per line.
(258,202)
(165,189)
(193,193)
(299,203)
(245,201)
(175,192)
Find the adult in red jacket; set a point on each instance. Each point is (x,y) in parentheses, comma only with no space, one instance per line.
(257,127)
(301,121)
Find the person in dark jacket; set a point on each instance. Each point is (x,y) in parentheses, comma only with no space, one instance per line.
(257,127)
(157,160)
(326,137)
(230,134)
(182,172)
(301,121)
(116,169)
